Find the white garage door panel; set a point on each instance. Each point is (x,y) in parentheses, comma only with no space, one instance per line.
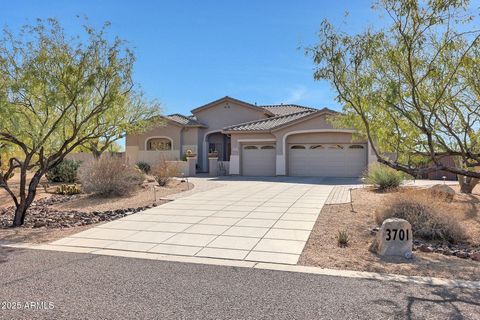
(258,160)
(326,161)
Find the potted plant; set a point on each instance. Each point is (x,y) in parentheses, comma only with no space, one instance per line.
(190,154)
(213,154)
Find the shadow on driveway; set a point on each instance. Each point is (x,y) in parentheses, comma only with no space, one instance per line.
(299,180)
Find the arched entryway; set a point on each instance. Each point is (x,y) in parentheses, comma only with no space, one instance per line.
(219,142)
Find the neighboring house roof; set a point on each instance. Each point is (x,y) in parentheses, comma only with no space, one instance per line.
(184,120)
(284,109)
(275,122)
(230,99)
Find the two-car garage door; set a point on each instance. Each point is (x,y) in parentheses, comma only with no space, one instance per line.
(327,159)
(306,159)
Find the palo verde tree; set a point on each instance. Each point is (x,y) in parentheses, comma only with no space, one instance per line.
(134,114)
(412,88)
(54,94)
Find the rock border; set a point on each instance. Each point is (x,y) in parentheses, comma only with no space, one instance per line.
(41,216)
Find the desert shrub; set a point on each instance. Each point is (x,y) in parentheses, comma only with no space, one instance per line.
(145,167)
(68,189)
(430,218)
(110,177)
(383,177)
(66,171)
(164,171)
(342,238)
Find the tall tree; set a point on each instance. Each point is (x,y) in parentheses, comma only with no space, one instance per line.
(54,94)
(135,114)
(413,87)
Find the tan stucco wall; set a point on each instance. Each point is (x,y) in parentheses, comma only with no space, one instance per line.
(190,139)
(171,131)
(226,114)
(131,154)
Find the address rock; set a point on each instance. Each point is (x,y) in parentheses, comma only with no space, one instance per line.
(394,238)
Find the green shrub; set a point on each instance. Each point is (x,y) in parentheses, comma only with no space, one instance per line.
(110,177)
(383,177)
(342,238)
(66,171)
(430,219)
(145,167)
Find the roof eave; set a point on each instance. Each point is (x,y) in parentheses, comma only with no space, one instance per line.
(196,126)
(244,131)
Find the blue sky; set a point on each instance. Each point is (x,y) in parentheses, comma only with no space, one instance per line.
(192,52)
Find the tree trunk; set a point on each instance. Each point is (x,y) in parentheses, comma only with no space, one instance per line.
(25,202)
(96,154)
(467,184)
(20,213)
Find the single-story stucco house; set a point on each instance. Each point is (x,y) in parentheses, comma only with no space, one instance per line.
(251,140)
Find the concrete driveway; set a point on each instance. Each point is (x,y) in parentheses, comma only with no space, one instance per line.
(253,219)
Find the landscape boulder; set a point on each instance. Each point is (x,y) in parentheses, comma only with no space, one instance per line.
(443,191)
(394,238)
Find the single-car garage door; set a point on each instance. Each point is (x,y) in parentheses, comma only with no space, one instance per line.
(327,160)
(258,160)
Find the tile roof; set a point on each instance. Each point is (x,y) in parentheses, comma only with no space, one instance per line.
(270,123)
(284,109)
(184,120)
(230,99)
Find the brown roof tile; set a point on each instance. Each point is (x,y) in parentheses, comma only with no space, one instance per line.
(269,123)
(284,109)
(184,120)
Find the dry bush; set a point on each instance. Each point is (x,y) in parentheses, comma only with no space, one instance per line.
(110,177)
(164,171)
(429,217)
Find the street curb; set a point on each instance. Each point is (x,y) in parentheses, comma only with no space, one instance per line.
(431,281)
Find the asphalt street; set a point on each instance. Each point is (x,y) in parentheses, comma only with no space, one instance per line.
(57,285)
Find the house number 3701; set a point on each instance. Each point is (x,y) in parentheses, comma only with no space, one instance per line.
(400,234)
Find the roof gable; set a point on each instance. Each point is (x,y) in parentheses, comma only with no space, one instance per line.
(227,99)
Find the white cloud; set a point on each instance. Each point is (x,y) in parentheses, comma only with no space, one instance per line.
(296,95)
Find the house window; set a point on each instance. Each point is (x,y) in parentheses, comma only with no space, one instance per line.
(318,146)
(267,147)
(159,144)
(336,146)
(356,146)
(250,148)
(297,147)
